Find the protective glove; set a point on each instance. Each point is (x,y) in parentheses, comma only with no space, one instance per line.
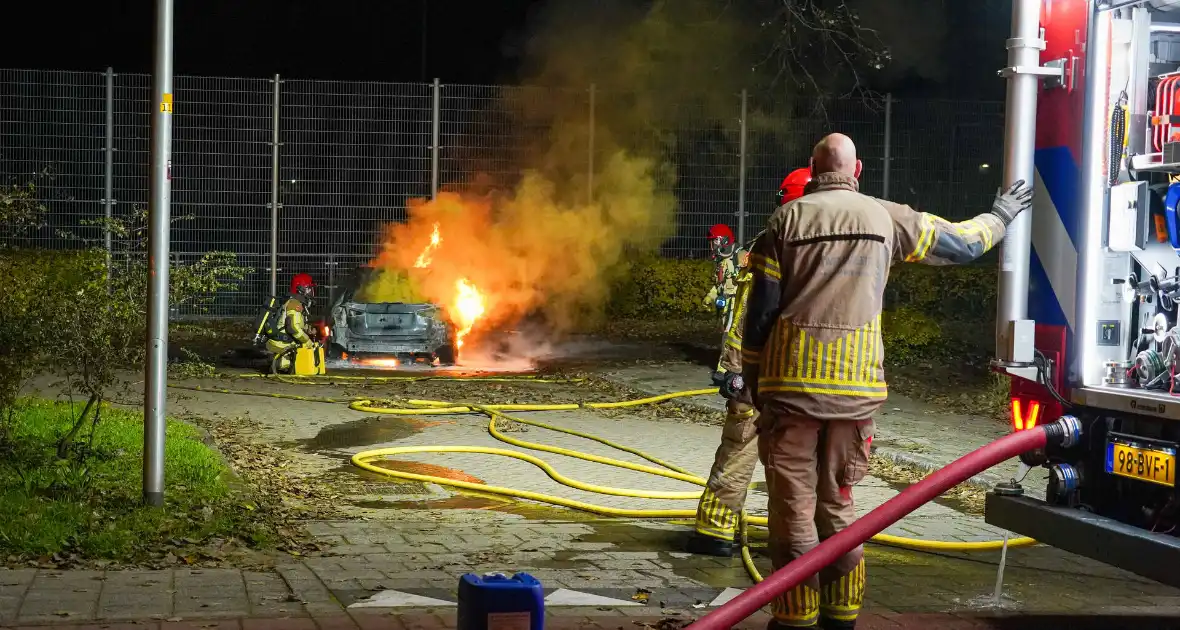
(1012,202)
(732,386)
(309,344)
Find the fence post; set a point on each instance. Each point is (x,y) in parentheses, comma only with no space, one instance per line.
(590,161)
(274,190)
(108,185)
(888,144)
(331,279)
(436,113)
(741,213)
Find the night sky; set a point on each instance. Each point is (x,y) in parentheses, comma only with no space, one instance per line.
(953,53)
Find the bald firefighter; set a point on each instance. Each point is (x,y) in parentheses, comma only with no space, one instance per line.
(293,331)
(813,355)
(733,466)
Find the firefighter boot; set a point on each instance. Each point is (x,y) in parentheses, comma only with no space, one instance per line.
(775,624)
(709,546)
(836,624)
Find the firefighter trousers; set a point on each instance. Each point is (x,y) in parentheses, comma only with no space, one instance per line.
(811,466)
(277,347)
(733,468)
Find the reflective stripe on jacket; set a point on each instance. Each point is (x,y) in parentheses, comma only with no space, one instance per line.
(294,321)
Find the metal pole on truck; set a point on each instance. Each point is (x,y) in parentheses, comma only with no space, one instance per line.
(1020,120)
(159,219)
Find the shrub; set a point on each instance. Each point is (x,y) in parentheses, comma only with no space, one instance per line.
(84,316)
(43,291)
(654,287)
(958,292)
(926,308)
(909,334)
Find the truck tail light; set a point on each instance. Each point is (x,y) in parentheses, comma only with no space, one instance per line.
(1026,413)
(1032,404)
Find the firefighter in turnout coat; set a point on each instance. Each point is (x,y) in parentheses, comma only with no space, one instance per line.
(294,329)
(733,465)
(724,251)
(813,356)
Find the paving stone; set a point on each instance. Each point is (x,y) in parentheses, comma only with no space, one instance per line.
(132,605)
(305,585)
(283,623)
(412,548)
(366,620)
(204,624)
(360,549)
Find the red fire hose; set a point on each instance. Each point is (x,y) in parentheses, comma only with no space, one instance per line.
(1065,431)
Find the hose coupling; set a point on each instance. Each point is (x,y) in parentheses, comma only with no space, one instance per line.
(1064,480)
(1066,432)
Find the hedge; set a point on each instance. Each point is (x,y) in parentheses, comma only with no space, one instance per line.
(920,301)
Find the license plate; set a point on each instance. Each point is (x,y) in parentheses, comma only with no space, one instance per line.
(1145,464)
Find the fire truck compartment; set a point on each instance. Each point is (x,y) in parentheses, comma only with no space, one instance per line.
(1096,537)
(1157,404)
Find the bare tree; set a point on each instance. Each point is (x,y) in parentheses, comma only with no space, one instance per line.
(819,48)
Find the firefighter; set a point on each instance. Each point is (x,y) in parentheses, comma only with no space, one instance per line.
(294,330)
(812,355)
(733,465)
(724,251)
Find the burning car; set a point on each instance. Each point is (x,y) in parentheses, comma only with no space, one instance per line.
(388,333)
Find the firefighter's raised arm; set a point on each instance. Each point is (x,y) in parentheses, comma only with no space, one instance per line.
(922,237)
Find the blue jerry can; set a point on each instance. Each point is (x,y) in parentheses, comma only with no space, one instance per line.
(498,602)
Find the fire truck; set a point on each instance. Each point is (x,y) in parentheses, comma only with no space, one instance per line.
(1090,277)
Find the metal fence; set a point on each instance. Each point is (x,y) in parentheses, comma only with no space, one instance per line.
(351,154)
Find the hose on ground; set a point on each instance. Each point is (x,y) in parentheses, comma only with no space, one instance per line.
(864,528)
(666,469)
(495,412)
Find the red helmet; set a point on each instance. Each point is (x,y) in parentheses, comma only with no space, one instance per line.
(302,283)
(721,241)
(721,231)
(792,187)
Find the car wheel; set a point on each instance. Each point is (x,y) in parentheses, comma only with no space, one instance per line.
(446,354)
(335,351)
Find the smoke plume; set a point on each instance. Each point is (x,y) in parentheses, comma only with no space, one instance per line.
(550,241)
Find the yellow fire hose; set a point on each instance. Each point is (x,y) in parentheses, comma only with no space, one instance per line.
(434,407)
(670,471)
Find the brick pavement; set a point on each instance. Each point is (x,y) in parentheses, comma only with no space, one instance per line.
(430,620)
(392,566)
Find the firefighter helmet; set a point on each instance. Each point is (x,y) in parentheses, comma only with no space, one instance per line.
(792,187)
(302,284)
(721,241)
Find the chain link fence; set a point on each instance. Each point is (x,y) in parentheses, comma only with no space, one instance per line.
(350,155)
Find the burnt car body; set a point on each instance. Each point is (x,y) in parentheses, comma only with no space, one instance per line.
(411,333)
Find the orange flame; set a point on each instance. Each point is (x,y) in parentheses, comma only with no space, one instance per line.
(468,305)
(468,308)
(424,258)
(380,362)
